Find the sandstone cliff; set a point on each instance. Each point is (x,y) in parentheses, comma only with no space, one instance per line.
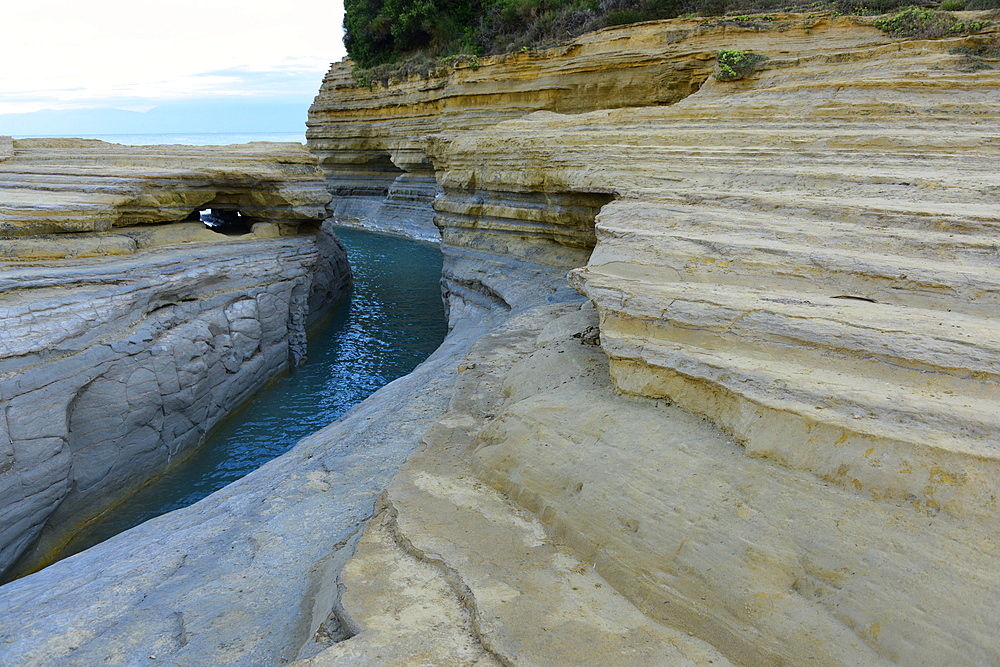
(765,437)
(805,260)
(373,142)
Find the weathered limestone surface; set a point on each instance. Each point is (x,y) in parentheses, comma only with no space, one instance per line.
(111,368)
(53,186)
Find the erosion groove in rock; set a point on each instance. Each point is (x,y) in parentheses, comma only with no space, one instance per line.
(53,186)
(395,584)
(249,568)
(110,370)
(459,589)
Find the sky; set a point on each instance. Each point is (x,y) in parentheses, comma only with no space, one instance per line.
(133,55)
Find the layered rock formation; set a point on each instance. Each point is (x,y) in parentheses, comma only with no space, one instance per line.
(372,142)
(53,186)
(782,451)
(112,367)
(805,260)
(736,278)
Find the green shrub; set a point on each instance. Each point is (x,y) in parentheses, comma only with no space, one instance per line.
(974,57)
(623,17)
(868,7)
(380,33)
(922,23)
(383,31)
(989,50)
(733,64)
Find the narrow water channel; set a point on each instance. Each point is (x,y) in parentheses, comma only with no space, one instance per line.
(393,320)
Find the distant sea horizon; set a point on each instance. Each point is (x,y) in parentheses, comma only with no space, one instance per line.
(186,138)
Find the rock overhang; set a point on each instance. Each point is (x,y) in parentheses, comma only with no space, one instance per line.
(51,187)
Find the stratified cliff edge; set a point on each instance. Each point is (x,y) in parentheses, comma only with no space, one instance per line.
(130,333)
(805,261)
(765,435)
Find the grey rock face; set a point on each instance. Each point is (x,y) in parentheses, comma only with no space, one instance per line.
(250,575)
(244,577)
(331,276)
(405,208)
(111,368)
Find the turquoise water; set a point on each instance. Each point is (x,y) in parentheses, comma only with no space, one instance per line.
(393,320)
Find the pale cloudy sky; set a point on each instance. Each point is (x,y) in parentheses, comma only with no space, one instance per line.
(134,54)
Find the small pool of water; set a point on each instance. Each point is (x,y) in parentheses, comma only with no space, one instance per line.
(393,320)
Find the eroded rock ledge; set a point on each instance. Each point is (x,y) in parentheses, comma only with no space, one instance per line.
(113,366)
(55,186)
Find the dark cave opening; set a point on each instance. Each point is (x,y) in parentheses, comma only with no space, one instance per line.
(224,221)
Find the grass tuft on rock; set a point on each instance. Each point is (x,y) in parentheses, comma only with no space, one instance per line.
(978,56)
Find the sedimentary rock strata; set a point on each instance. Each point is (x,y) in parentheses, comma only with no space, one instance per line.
(782,451)
(372,142)
(806,260)
(52,186)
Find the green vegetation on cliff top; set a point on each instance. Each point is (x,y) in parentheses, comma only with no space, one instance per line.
(410,36)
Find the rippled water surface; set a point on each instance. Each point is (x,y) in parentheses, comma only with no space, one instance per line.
(392,321)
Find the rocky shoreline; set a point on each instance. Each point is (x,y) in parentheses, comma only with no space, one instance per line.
(782,451)
(113,366)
